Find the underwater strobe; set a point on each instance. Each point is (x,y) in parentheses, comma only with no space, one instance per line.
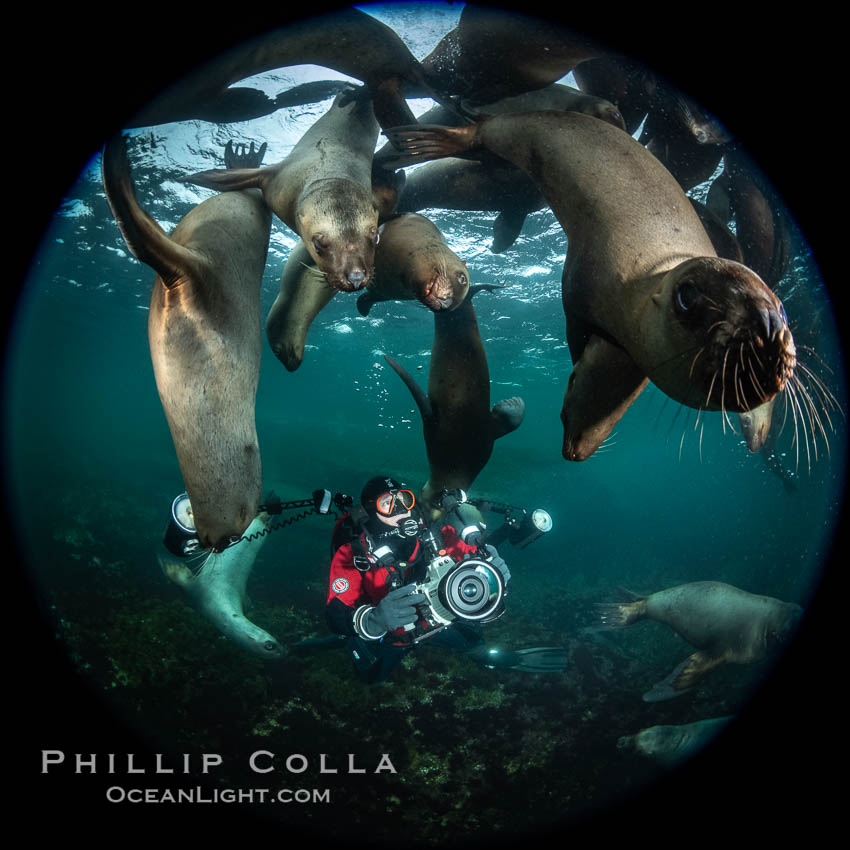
(520,530)
(181,538)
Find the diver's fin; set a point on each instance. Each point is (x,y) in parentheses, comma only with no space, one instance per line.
(319,643)
(537,659)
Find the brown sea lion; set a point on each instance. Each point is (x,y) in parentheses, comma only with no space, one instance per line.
(323,191)
(645,296)
(620,80)
(727,625)
(348,40)
(458,423)
(744,194)
(496,53)
(304,292)
(413,261)
(204,335)
(492,183)
(672,744)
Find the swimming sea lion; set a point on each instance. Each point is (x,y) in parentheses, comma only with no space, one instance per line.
(414,261)
(492,183)
(620,80)
(496,53)
(204,335)
(725,623)
(323,191)
(645,296)
(348,40)
(217,589)
(671,744)
(458,424)
(304,292)
(744,194)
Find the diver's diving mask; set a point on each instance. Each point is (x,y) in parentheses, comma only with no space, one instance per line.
(395,502)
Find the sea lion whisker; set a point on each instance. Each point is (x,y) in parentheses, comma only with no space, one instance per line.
(694,361)
(814,416)
(735,383)
(755,354)
(710,388)
(723,390)
(827,394)
(796,406)
(756,385)
(795,441)
(681,443)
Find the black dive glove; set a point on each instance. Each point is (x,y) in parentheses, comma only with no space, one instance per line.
(393,611)
(498,562)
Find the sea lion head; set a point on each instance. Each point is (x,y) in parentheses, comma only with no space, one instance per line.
(443,282)
(721,340)
(338,222)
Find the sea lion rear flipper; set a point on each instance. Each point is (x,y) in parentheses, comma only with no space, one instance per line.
(602,386)
(507,416)
(145,239)
(506,228)
(419,396)
(423,142)
(684,677)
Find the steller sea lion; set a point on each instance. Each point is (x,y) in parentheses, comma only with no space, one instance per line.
(726,624)
(414,261)
(323,191)
(204,335)
(304,292)
(458,424)
(492,183)
(347,40)
(496,53)
(217,589)
(670,744)
(644,294)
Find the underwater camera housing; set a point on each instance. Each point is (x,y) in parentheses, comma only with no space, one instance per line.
(472,590)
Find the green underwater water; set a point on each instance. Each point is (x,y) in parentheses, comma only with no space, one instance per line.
(91,472)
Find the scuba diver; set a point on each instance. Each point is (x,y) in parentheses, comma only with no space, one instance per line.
(397,581)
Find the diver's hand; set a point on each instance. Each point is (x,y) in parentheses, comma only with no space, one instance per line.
(395,610)
(498,562)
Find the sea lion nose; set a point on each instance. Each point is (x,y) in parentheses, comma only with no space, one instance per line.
(772,322)
(356,278)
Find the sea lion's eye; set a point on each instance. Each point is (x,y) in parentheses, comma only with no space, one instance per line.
(319,244)
(269,645)
(687,296)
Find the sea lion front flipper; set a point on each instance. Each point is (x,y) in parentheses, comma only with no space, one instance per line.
(365,302)
(602,386)
(507,416)
(506,228)
(685,676)
(228,180)
(419,396)
(243,159)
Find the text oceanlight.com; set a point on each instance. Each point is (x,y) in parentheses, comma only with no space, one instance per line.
(250,796)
